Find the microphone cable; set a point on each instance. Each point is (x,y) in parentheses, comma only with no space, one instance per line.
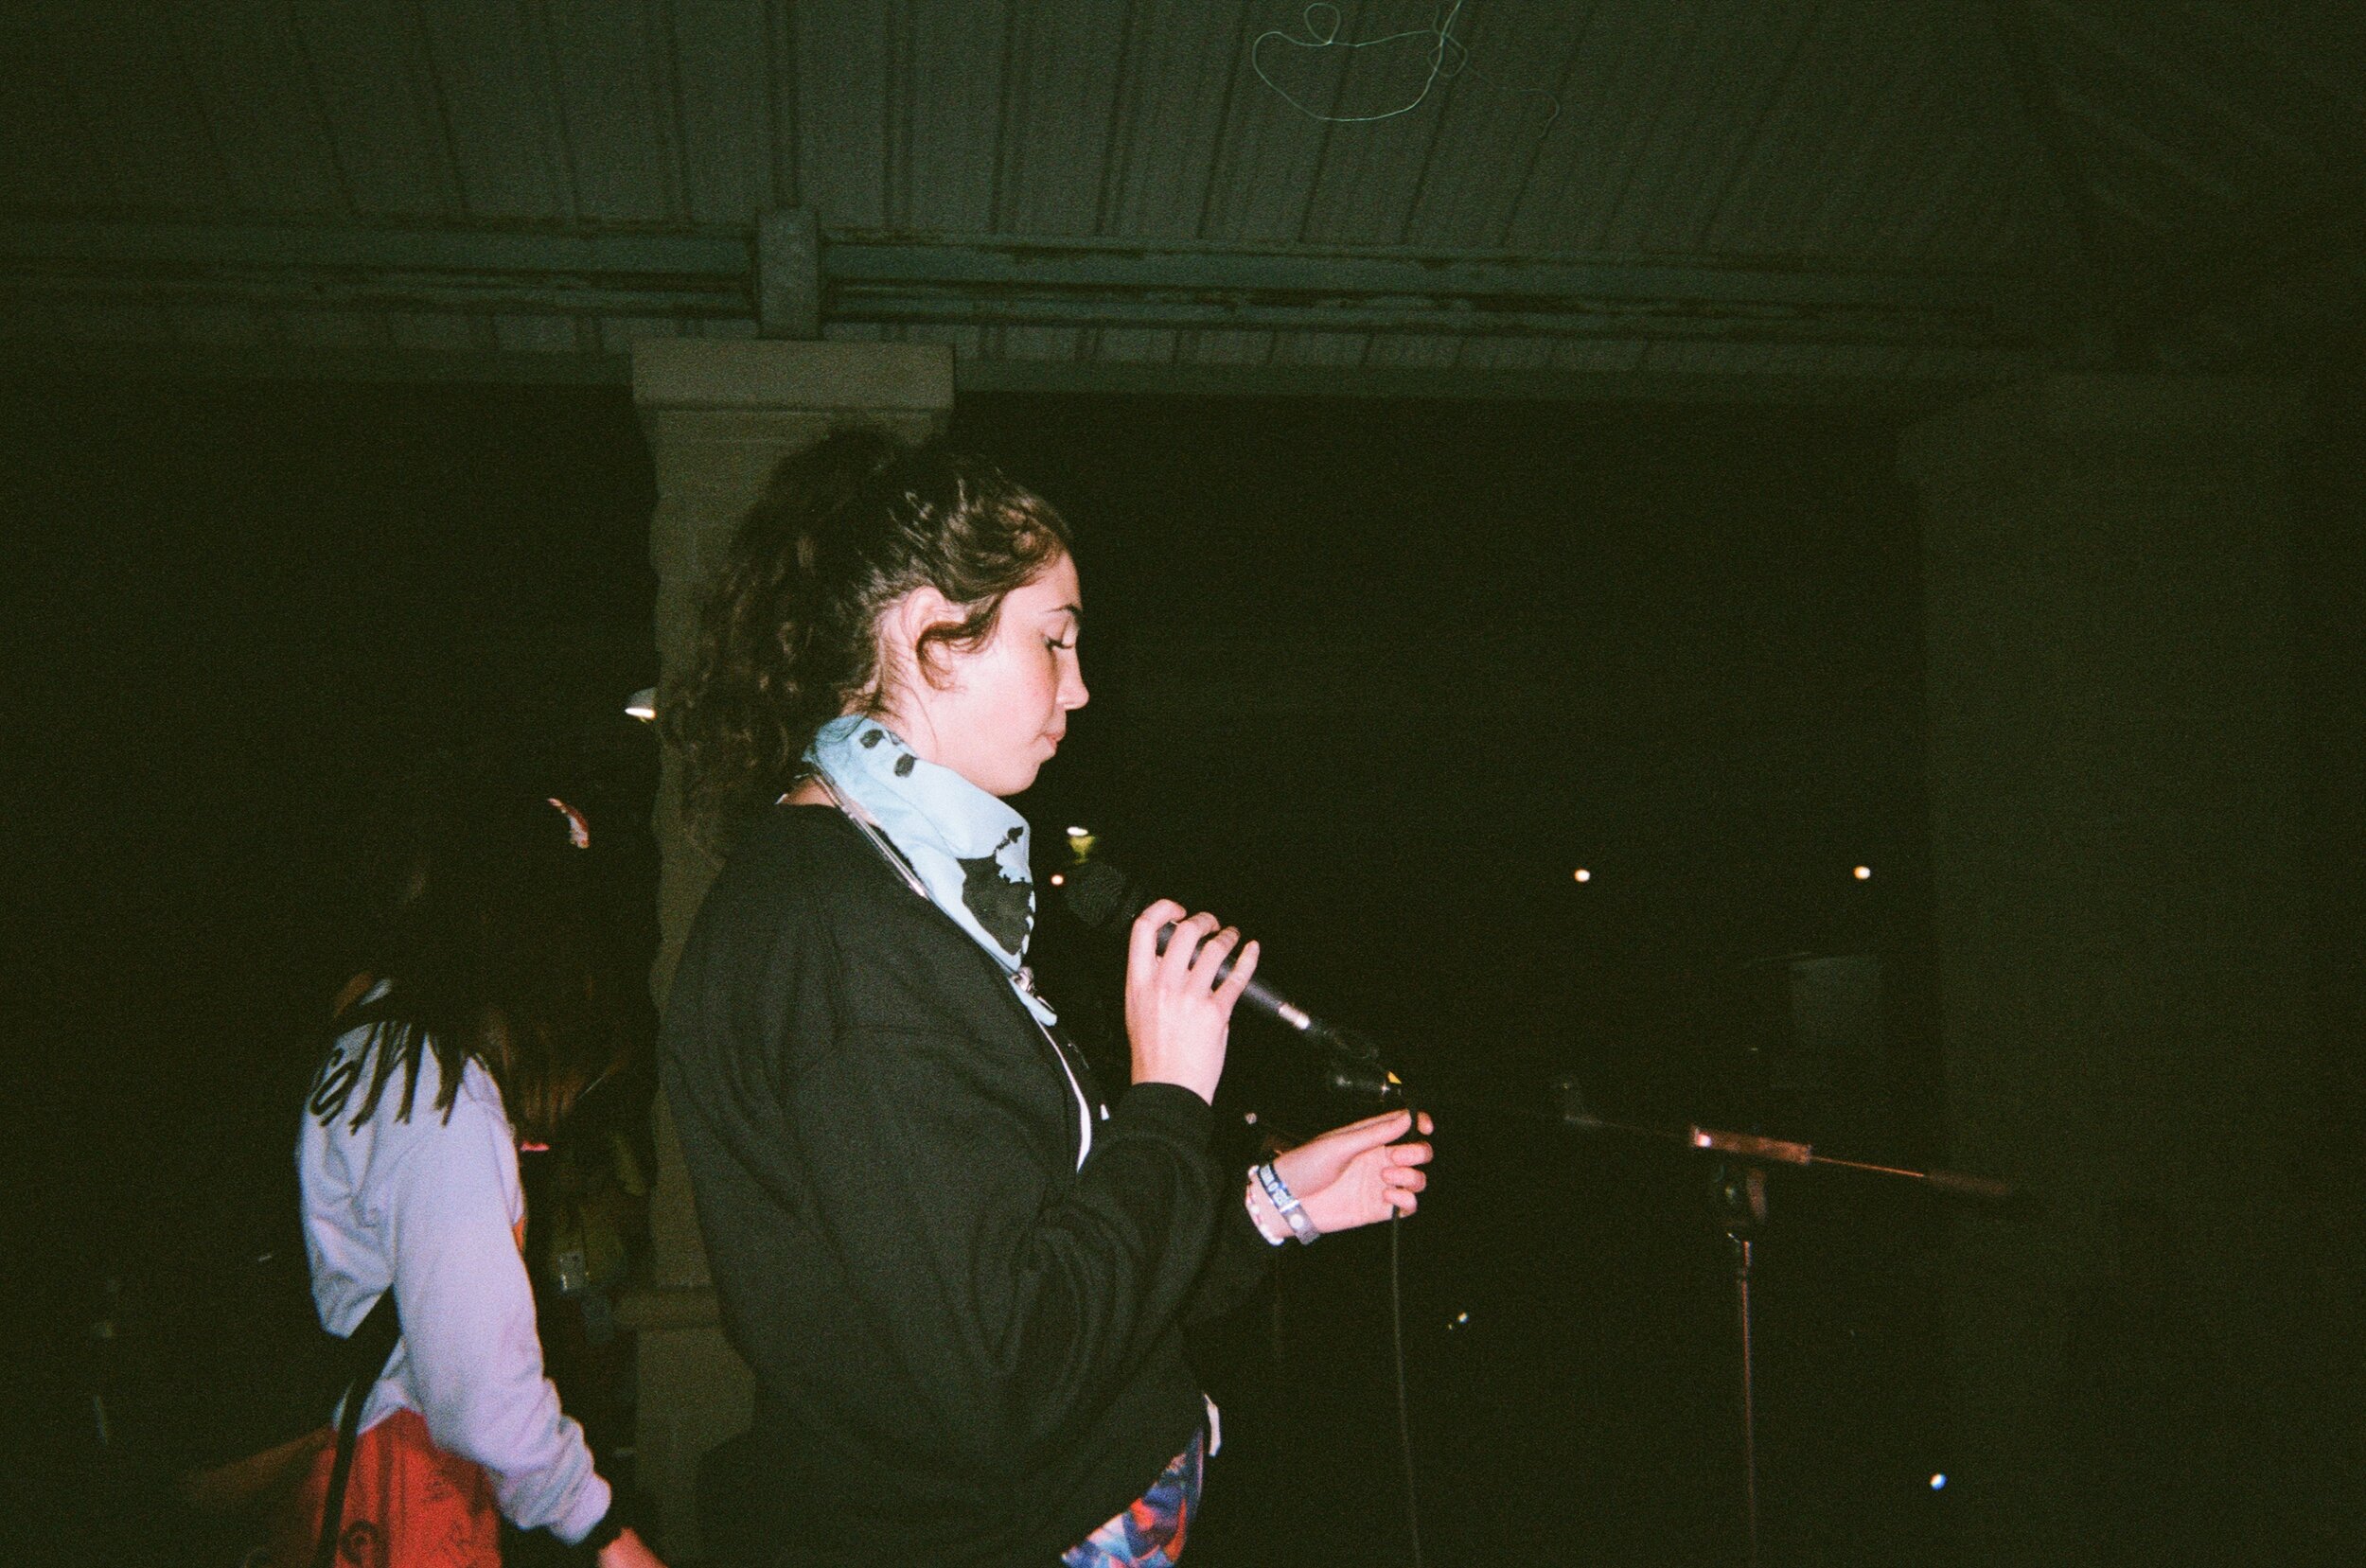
(1396,1352)
(1405,1419)
(1103,898)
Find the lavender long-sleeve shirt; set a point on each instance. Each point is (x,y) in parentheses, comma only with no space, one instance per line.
(432,1207)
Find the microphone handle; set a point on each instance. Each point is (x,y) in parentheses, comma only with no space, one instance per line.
(1255,993)
(1356,1067)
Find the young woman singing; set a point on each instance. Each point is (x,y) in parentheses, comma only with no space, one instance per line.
(959,1267)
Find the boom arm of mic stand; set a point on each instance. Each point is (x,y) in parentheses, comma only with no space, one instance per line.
(1779,1150)
(1775,1151)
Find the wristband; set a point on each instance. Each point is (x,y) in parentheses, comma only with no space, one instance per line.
(1265,1224)
(613,1524)
(1286,1201)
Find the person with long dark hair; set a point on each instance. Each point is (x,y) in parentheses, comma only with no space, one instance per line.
(489,1011)
(957,1269)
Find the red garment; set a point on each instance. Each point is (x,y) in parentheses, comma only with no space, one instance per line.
(408,1504)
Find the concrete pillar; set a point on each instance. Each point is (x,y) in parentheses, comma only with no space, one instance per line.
(718,416)
(2117,932)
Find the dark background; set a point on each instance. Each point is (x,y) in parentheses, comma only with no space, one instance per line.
(1372,679)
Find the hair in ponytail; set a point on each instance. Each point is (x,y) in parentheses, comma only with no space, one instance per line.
(788,637)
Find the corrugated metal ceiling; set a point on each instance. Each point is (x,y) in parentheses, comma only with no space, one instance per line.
(1850,136)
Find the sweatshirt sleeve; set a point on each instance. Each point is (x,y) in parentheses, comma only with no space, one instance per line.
(1239,1260)
(1015,1302)
(473,1359)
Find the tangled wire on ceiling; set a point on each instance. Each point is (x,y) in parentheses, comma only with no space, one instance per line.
(1448,59)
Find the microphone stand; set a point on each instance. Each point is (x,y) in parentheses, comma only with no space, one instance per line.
(1352,1066)
(1740,1182)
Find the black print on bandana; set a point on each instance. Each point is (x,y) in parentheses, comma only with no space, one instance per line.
(1003,909)
(903,766)
(871,738)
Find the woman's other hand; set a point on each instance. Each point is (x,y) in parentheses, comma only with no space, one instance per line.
(1357,1174)
(629,1551)
(1177,1014)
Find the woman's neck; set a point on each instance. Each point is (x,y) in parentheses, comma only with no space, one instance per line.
(813,792)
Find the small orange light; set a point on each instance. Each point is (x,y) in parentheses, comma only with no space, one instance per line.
(1584,875)
(1862,874)
(1058,881)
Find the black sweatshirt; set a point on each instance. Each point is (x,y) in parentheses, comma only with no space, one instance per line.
(965,1349)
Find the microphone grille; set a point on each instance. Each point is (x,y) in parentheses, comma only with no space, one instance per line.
(1096,894)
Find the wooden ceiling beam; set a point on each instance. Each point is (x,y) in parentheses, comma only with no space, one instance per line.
(788,279)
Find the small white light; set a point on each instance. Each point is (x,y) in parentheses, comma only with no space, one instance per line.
(1584,875)
(1864,874)
(1080,833)
(642,704)
(1462,1317)
(1938,1482)
(1249,1117)
(1058,881)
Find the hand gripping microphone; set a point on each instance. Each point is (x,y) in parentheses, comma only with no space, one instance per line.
(1106,899)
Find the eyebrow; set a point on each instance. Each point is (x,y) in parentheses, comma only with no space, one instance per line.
(1077,610)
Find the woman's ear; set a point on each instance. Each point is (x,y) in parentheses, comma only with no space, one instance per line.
(907,620)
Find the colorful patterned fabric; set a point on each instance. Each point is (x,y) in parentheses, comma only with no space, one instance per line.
(1149,1532)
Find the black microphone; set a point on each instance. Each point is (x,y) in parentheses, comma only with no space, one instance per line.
(1106,899)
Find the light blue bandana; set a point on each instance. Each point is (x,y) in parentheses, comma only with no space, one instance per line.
(968,849)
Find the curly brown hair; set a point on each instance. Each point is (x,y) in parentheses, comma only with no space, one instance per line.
(788,634)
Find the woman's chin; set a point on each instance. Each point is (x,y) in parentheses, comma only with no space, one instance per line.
(1003,783)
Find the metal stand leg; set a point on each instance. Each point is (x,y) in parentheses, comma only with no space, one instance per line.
(1742,1193)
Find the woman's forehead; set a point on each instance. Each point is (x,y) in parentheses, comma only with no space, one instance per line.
(1055,587)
